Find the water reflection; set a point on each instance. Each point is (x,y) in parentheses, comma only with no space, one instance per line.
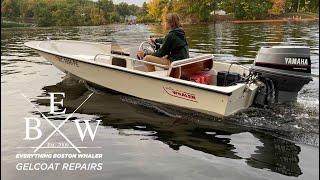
(214,137)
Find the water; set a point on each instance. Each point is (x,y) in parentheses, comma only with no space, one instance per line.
(140,139)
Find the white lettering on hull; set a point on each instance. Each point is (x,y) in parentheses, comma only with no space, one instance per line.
(180,94)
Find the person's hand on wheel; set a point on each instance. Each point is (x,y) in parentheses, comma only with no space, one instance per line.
(152,40)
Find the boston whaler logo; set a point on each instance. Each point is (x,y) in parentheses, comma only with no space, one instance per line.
(180,94)
(45,144)
(297,61)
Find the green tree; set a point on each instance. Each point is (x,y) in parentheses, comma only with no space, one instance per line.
(65,11)
(27,8)
(134,9)
(115,17)
(123,9)
(10,9)
(143,10)
(107,8)
(42,14)
(89,14)
(251,9)
(228,6)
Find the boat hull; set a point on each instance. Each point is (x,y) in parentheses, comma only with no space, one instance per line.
(167,91)
(79,59)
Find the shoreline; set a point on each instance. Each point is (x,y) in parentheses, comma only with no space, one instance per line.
(13,24)
(233,21)
(276,20)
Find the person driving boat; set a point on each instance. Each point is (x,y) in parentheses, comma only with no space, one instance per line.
(174,45)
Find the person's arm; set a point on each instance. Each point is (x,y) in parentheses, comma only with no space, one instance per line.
(165,48)
(160,40)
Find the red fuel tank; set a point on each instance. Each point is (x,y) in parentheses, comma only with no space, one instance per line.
(202,77)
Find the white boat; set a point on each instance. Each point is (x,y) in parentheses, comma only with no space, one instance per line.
(199,83)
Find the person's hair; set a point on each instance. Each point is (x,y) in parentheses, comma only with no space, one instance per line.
(173,20)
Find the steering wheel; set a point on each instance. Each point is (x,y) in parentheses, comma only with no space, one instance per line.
(146,50)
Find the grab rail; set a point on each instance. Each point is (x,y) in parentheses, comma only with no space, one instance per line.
(188,66)
(188,61)
(94,59)
(132,59)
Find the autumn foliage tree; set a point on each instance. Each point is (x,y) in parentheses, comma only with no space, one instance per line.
(154,9)
(199,10)
(278,7)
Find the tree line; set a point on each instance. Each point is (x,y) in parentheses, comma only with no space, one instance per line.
(199,10)
(88,12)
(68,12)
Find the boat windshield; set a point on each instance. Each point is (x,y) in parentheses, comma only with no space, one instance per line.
(116,48)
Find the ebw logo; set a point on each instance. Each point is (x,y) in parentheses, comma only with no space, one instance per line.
(37,124)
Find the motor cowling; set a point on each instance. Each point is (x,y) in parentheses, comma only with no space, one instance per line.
(288,68)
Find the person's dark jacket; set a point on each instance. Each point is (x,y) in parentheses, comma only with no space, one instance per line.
(174,45)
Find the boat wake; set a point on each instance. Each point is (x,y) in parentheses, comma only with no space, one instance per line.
(150,105)
(93,89)
(295,122)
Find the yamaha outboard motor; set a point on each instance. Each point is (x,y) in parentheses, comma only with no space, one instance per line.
(286,68)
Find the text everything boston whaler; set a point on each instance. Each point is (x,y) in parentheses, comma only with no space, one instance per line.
(199,83)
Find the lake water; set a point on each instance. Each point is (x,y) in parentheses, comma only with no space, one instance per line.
(140,139)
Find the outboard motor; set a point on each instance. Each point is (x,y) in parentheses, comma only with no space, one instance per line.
(286,68)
